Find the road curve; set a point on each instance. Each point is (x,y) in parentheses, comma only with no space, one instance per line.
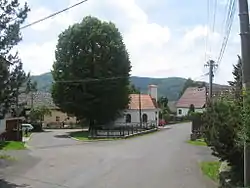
(162,159)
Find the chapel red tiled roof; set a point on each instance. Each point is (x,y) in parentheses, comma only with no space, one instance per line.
(192,95)
(146,102)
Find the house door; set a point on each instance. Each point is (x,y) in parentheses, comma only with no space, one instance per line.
(144,118)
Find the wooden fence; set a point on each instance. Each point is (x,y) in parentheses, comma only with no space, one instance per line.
(197,127)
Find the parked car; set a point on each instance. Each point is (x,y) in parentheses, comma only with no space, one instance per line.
(162,122)
(27,126)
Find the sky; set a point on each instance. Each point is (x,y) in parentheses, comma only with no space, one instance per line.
(164,38)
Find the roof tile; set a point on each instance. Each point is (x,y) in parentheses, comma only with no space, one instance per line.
(146,102)
(192,95)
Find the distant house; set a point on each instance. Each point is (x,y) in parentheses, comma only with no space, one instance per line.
(149,109)
(192,95)
(45,99)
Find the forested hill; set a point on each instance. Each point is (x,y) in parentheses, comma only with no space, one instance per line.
(170,87)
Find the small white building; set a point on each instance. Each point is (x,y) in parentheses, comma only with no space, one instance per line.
(149,109)
(192,95)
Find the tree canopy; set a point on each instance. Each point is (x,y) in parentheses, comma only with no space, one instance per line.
(133,89)
(91,71)
(191,83)
(237,83)
(12,76)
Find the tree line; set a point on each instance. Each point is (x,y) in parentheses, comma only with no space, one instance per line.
(224,130)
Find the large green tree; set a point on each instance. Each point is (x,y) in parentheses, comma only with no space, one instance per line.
(12,76)
(133,89)
(163,105)
(237,83)
(91,71)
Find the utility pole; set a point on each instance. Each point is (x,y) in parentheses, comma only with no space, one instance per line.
(212,65)
(140,107)
(245,56)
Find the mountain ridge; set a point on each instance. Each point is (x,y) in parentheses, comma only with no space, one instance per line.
(170,86)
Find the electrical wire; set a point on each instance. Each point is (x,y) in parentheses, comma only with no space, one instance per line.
(198,77)
(228,28)
(207,32)
(52,15)
(214,20)
(214,16)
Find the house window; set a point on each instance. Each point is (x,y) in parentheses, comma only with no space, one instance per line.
(57,118)
(179,111)
(144,118)
(128,118)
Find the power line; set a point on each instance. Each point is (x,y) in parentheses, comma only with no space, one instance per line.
(52,15)
(228,27)
(214,20)
(207,33)
(201,76)
(215,13)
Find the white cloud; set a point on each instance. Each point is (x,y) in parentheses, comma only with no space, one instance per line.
(155,50)
(36,58)
(38,14)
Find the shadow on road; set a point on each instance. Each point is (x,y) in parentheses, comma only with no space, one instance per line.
(61,136)
(5,184)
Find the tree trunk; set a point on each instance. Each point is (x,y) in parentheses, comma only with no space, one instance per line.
(91,127)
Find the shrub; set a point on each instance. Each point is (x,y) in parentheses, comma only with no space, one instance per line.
(222,123)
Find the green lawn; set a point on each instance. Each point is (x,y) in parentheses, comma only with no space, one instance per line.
(12,145)
(81,135)
(198,142)
(211,169)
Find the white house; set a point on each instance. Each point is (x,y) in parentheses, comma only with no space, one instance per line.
(2,126)
(148,105)
(192,95)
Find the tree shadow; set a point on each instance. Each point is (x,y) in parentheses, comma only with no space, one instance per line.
(62,136)
(6,184)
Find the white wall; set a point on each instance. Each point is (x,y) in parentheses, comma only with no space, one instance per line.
(135,117)
(2,125)
(152,91)
(184,111)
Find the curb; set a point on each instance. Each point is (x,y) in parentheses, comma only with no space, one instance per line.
(97,140)
(25,142)
(141,133)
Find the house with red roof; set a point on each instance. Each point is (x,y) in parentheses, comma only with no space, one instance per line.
(192,95)
(147,104)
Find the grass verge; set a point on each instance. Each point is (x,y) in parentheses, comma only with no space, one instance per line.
(7,157)
(83,136)
(28,135)
(211,169)
(12,145)
(198,142)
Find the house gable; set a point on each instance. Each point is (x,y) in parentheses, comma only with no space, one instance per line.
(193,95)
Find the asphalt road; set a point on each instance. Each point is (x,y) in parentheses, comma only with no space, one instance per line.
(158,160)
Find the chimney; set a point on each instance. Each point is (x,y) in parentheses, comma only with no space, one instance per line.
(152,91)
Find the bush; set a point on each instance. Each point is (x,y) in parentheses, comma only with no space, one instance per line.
(222,124)
(37,127)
